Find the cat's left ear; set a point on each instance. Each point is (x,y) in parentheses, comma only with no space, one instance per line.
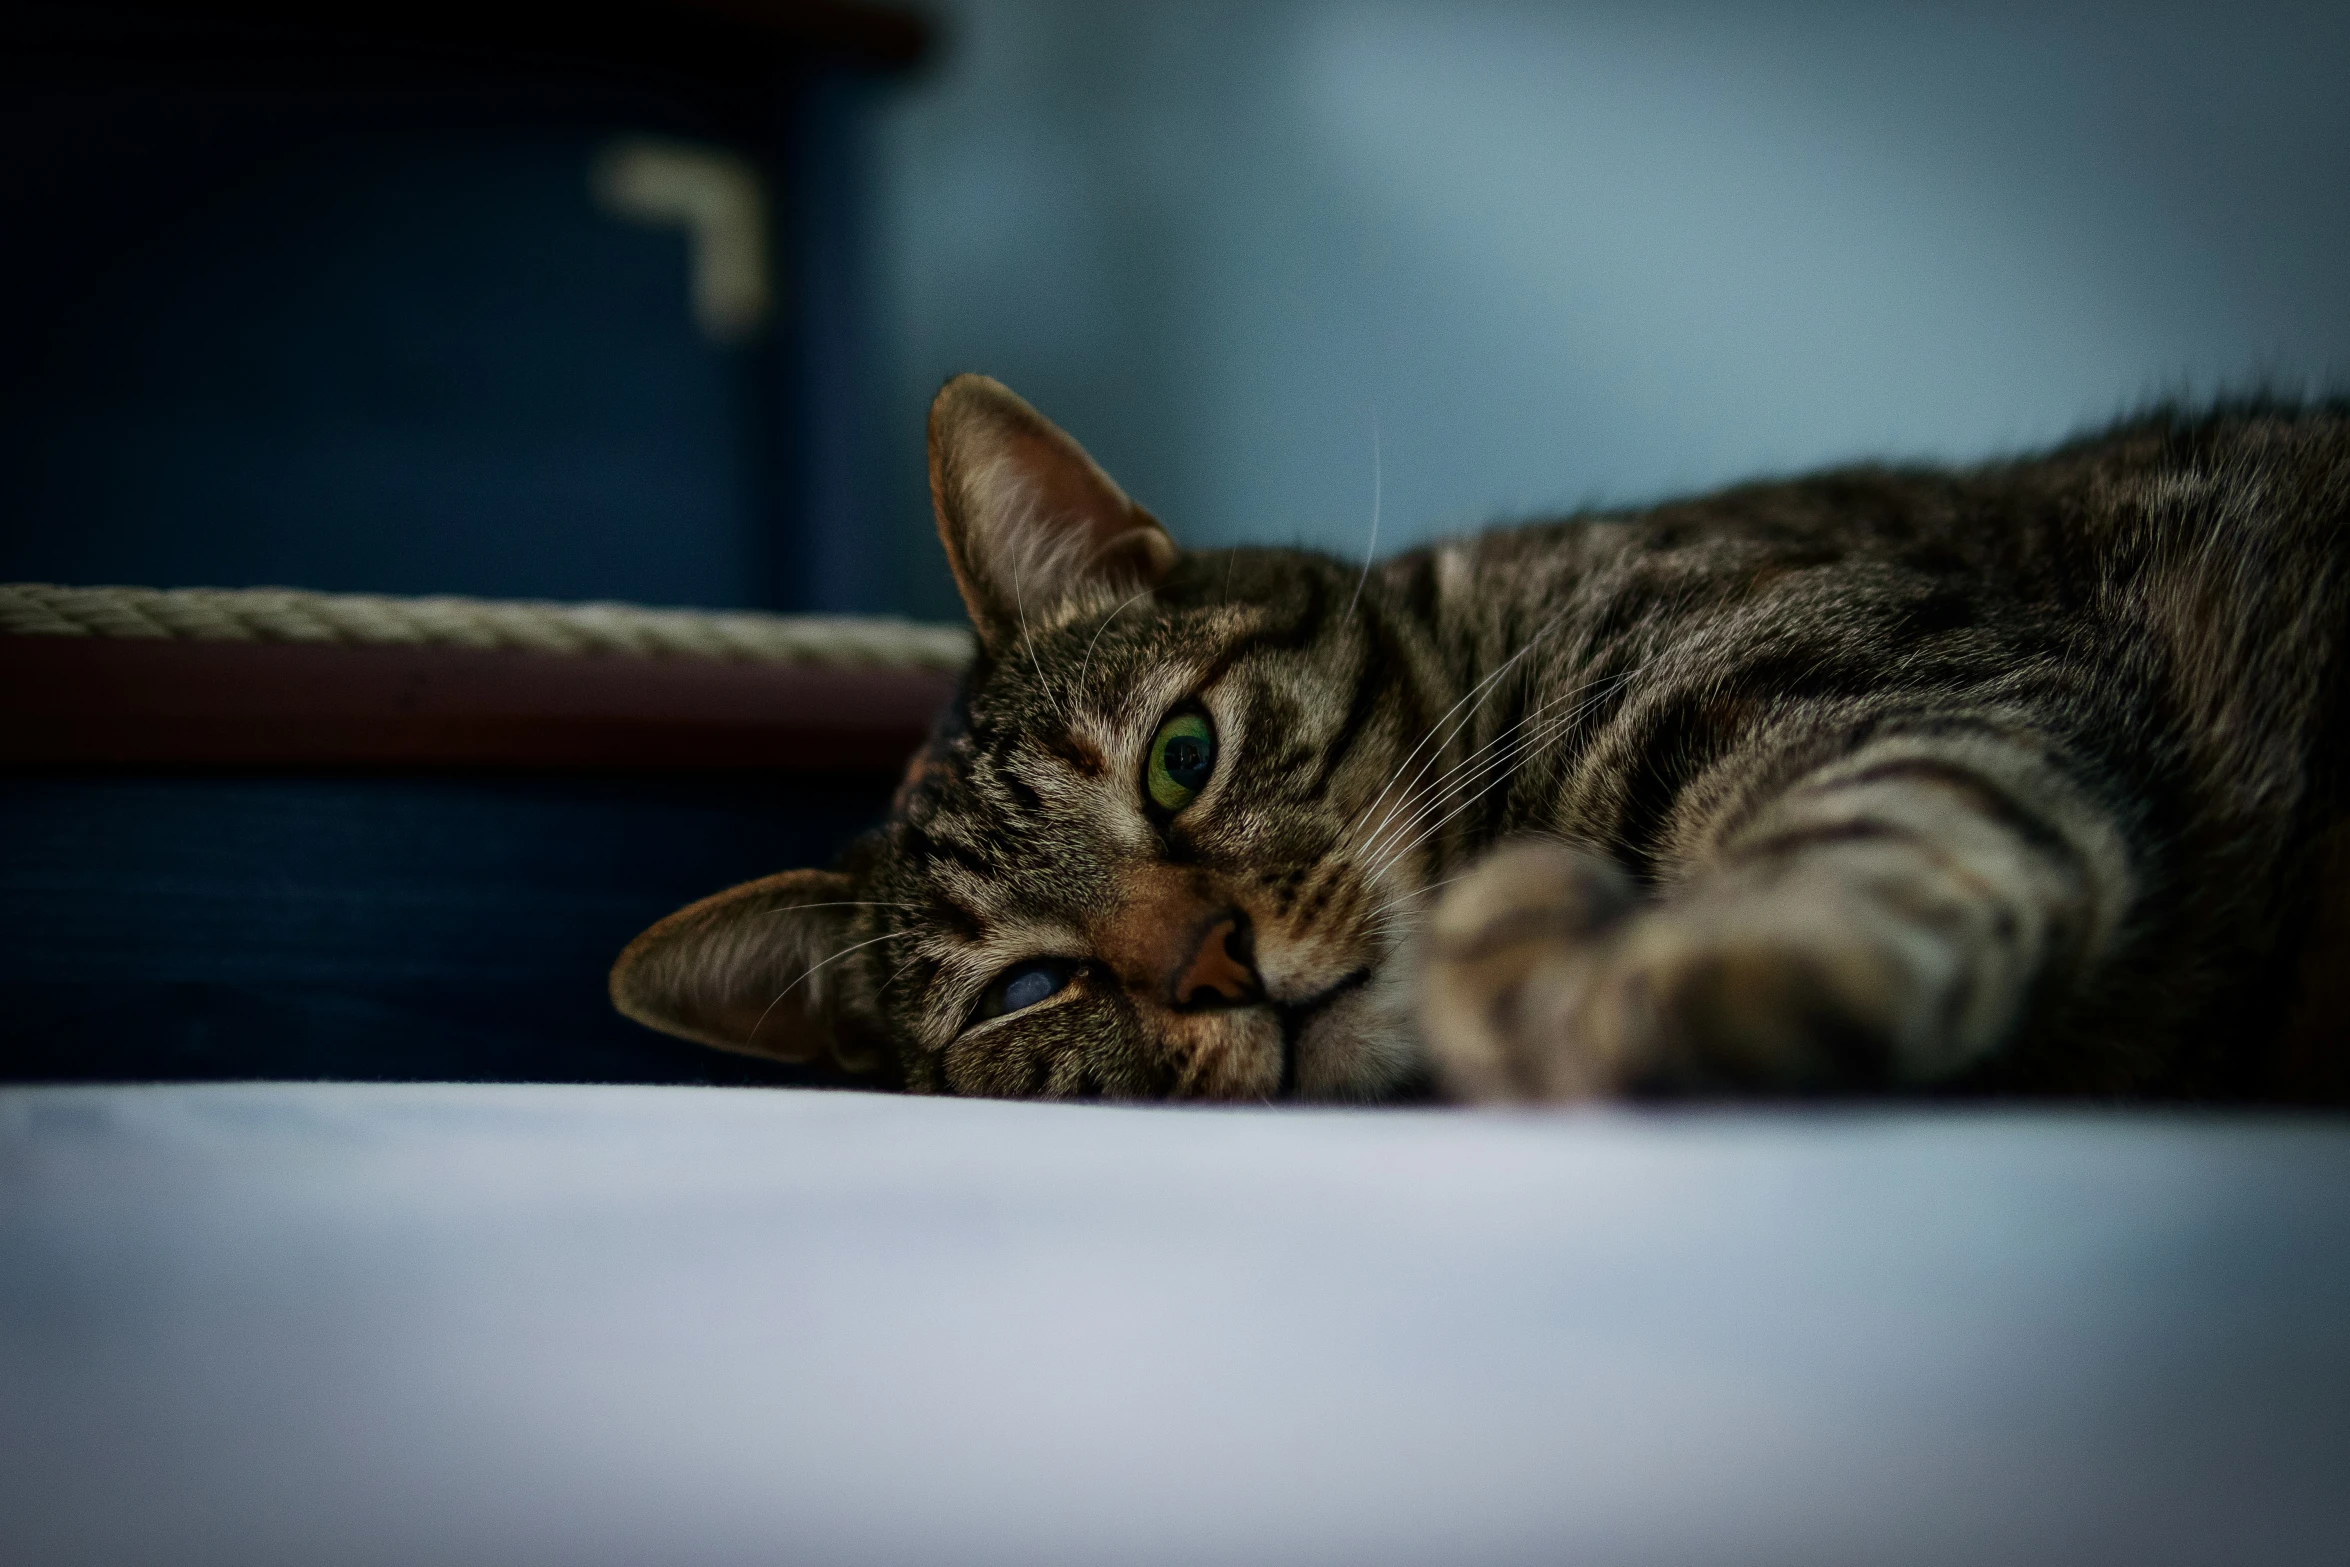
(751,969)
(1030,523)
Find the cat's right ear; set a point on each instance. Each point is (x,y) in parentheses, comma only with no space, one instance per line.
(1032,527)
(748,970)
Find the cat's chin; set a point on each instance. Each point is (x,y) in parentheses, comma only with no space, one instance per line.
(1346,1048)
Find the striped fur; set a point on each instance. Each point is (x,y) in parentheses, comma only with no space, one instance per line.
(2020,778)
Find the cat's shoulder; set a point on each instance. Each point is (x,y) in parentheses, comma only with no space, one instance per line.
(2232,431)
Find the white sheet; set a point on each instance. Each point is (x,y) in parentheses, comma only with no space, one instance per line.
(326,1324)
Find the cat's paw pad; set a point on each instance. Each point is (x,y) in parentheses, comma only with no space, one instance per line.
(1509,946)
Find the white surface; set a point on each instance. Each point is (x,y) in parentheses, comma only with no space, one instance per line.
(347,1324)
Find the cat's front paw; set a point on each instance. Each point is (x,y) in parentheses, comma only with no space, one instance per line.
(1546,980)
(1511,947)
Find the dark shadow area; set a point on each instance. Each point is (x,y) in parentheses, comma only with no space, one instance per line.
(336,300)
(371,928)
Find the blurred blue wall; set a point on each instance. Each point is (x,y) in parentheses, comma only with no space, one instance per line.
(1552,254)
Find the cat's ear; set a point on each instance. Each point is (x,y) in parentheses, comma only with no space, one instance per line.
(747,970)
(1029,522)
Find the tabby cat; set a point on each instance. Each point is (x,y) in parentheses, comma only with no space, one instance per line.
(2024,778)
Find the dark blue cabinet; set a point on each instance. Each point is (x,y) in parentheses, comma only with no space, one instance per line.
(335,303)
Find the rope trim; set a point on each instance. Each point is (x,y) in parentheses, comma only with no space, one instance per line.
(39,609)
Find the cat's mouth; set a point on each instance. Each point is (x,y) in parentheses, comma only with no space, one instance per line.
(1297,1015)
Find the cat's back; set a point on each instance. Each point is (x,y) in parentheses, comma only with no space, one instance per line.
(2259,484)
(2192,569)
(2206,554)
(2213,551)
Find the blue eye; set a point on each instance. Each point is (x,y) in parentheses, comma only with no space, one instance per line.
(1023,985)
(1028,987)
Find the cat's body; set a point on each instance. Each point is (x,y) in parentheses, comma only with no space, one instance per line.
(2024,777)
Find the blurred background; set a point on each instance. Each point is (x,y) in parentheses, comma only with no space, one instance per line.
(1270,261)
(1541,254)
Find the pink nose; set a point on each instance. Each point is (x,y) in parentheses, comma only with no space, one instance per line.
(1178,941)
(1219,972)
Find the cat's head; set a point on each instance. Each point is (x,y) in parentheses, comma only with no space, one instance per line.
(1141,856)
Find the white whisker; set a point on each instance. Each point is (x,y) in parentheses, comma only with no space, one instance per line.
(896,973)
(789,908)
(1506,750)
(1501,768)
(1370,550)
(1518,742)
(1400,813)
(1400,904)
(809,972)
(1405,808)
(1020,604)
(1475,693)
(1087,662)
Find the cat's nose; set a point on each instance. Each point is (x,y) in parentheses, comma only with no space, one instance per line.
(1221,971)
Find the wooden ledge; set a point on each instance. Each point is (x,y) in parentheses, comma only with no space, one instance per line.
(103,702)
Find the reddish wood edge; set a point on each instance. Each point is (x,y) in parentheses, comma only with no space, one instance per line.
(71,702)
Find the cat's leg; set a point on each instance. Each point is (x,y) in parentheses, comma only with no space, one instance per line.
(1889,920)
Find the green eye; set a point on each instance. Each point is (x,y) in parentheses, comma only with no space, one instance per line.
(1183,753)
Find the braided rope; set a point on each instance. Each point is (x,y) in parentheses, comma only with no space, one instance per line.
(290,615)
